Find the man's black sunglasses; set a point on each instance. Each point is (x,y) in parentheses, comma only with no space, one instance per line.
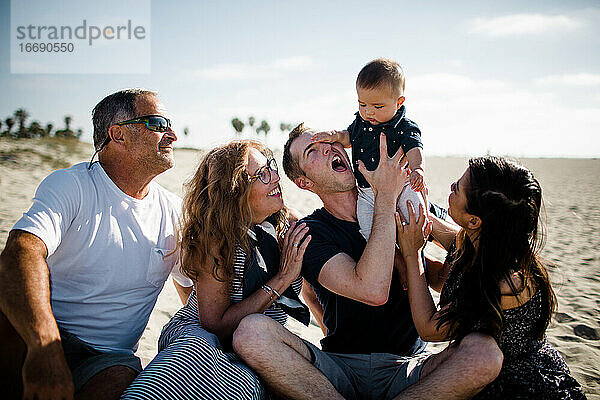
(155,123)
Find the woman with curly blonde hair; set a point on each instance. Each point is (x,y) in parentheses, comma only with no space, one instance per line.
(244,256)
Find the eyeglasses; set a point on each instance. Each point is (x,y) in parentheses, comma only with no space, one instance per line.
(264,172)
(155,123)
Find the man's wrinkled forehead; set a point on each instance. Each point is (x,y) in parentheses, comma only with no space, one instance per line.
(162,110)
(152,101)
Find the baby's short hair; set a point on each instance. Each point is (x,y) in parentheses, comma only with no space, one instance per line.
(382,73)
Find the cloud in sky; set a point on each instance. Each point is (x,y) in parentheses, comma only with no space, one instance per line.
(255,71)
(581,79)
(463,115)
(522,24)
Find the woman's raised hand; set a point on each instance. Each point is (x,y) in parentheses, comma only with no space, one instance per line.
(292,252)
(411,236)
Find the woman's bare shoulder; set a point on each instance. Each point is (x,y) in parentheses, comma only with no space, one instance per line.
(524,288)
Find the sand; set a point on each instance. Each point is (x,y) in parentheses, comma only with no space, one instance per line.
(572,211)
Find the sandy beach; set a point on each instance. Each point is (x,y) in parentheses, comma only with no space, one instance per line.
(572,249)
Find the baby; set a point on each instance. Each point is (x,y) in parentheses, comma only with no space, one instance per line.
(380,89)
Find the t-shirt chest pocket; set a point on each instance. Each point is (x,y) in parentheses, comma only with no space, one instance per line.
(160,265)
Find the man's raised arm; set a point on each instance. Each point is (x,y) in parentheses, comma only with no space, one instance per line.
(369,279)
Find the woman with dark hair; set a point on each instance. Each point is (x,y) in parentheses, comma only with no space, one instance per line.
(494,281)
(234,246)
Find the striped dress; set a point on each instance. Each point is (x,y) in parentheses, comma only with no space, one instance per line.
(191,363)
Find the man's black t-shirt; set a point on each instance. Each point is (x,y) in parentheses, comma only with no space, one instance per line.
(352,326)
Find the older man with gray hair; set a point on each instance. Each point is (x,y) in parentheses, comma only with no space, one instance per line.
(82,269)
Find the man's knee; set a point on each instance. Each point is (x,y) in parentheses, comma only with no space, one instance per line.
(109,383)
(252,333)
(484,356)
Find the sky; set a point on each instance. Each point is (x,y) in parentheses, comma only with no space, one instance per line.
(507,78)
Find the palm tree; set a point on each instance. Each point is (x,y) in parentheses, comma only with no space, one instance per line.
(238,125)
(49,127)
(251,121)
(35,129)
(68,122)
(285,127)
(9,124)
(79,133)
(21,114)
(67,132)
(264,127)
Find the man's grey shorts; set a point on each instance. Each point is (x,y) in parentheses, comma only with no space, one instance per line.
(85,361)
(368,376)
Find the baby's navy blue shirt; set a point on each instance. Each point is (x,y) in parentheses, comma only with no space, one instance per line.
(364,136)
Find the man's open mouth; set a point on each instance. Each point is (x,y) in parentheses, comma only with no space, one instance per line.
(337,163)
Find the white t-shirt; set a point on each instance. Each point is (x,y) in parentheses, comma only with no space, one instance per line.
(105,253)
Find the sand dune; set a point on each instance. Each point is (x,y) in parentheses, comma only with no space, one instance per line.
(571,188)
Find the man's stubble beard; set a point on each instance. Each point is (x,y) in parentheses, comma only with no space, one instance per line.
(158,163)
(328,185)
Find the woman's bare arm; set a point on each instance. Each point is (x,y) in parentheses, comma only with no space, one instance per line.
(443,231)
(215,310)
(411,239)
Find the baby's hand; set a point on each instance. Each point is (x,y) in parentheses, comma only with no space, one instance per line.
(416,180)
(325,136)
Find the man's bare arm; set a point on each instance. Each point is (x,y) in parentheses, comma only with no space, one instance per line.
(25,300)
(369,279)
